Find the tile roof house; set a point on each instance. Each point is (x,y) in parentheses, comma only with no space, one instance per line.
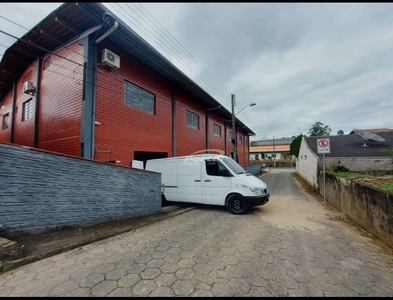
(266,149)
(350,151)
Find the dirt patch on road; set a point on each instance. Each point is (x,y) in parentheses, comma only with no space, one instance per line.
(303,213)
(289,212)
(333,214)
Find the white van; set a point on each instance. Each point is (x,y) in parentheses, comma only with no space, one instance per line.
(209,179)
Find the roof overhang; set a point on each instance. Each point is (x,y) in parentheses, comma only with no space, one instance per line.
(72,20)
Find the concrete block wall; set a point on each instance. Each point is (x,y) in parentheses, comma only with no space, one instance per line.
(359,164)
(42,191)
(370,208)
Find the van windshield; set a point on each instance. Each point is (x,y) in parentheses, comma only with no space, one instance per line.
(234,166)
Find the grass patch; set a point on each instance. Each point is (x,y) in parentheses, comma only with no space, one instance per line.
(373,179)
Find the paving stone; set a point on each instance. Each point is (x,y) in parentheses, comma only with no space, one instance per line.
(208,252)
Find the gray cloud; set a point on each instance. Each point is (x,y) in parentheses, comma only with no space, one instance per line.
(300,62)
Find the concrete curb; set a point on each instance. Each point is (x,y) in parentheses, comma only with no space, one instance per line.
(166,212)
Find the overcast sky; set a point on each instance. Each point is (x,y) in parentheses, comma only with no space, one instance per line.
(301,63)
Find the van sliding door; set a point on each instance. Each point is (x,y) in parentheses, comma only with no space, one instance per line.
(189,181)
(216,182)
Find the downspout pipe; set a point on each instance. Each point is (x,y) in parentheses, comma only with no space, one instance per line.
(37,103)
(207,128)
(173,121)
(107,17)
(89,95)
(12,129)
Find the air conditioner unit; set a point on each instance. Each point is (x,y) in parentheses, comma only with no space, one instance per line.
(28,88)
(110,59)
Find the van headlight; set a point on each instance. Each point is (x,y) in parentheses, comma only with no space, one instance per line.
(257,191)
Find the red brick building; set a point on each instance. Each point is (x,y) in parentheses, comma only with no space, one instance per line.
(82,83)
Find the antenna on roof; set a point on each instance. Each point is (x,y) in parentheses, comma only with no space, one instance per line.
(368,135)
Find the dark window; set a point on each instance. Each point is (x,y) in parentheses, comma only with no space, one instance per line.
(215,168)
(192,120)
(217,130)
(230,134)
(27,110)
(139,98)
(6,121)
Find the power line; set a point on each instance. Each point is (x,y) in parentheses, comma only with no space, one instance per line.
(42,32)
(202,75)
(48,51)
(189,55)
(47,35)
(111,87)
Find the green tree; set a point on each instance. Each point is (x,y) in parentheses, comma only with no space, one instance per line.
(340,132)
(253,143)
(319,129)
(294,147)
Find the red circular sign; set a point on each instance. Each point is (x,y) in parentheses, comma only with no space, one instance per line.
(323,143)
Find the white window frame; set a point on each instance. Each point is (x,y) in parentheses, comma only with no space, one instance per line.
(216,130)
(138,98)
(27,110)
(192,120)
(6,121)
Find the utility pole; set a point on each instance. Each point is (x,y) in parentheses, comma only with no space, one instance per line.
(234,129)
(274,154)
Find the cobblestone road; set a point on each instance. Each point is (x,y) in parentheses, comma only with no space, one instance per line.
(289,247)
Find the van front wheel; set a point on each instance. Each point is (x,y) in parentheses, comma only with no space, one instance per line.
(236,204)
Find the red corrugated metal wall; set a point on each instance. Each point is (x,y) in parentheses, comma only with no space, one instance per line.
(123,128)
(61,101)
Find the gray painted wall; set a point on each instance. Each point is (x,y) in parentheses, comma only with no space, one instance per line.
(359,164)
(254,169)
(41,191)
(370,208)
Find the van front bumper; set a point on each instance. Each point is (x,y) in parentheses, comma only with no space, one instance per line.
(257,200)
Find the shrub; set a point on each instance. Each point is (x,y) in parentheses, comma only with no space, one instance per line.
(341,168)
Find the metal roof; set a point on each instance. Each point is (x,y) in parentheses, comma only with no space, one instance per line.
(67,23)
(352,145)
(271,148)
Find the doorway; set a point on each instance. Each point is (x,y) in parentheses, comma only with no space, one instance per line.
(144,156)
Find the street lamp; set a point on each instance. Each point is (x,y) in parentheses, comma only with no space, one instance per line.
(251,104)
(274,154)
(234,135)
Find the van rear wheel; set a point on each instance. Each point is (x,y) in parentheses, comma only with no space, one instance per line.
(236,204)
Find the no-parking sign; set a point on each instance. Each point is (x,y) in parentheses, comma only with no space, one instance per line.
(323,145)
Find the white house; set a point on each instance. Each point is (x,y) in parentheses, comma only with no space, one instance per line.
(350,151)
(272,148)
